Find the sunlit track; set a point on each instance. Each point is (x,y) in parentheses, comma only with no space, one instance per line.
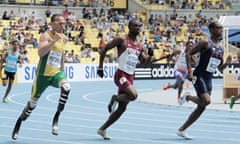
(86,110)
(168,115)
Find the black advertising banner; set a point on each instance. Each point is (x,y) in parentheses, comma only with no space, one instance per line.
(164,71)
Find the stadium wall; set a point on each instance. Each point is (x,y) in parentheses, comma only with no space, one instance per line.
(88,72)
(133,6)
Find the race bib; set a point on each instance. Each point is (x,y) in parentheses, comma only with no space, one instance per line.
(213,64)
(11,64)
(181,63)
(54,59)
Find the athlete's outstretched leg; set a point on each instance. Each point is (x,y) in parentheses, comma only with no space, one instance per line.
(65,89)
(31,105)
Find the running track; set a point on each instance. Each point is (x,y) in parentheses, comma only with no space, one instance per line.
(142,123)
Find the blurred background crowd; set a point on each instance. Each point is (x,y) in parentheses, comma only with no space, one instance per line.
(167,24)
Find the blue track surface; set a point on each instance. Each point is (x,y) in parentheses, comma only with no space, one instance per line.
(86,110)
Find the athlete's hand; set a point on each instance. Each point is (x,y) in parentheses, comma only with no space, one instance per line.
(100,72)
(190,76)
(57,37)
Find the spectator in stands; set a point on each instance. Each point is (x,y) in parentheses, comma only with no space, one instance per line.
(6,46)
(78,26)
(11,60)
(5,16)
(211,58)
(50,72)
(24,15)
(108,37)
(69,58)
(25,57)
(48,12)
(80,39)
(68,28)
(35,43)
(12,15)
(65,12)
(76,59)
(143,37)
(89,53)
(130,53)
(83,52)
(42,28)
(72,17)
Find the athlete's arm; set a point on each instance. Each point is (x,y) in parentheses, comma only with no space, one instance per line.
(200,47)
(145,56)
(224,65)
(169,57)
(46,42)
(1,63)
(116,42)
(63,56)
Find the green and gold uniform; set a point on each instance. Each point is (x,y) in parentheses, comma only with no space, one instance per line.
(49,69)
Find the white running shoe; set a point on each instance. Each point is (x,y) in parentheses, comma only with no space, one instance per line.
(103,134)
(184,135)
(182,100)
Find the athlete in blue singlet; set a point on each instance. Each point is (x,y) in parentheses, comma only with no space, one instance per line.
(211,58)
(11,60)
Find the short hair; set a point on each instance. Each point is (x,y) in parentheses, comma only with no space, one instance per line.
(189,41)
(14,41)
(131,22)
(212,25)
(53,18)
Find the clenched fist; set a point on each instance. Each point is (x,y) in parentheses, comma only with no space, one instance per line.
(100,72)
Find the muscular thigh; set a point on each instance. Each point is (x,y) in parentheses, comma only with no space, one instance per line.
(203,86)
(39,85)
(55,81)
(180,76)
(123,81)
(9,75)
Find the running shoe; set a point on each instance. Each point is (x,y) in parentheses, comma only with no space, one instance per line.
(231,102)
(165,87)
(112,104)
(16,129)
(5,100)
(184,135)
(182,100)
(103,134)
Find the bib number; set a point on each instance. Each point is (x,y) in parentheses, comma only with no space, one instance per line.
(11,64)
(213,64)
(54,59)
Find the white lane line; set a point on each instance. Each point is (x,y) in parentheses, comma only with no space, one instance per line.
(142,113)
(149,125)
(131,131)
